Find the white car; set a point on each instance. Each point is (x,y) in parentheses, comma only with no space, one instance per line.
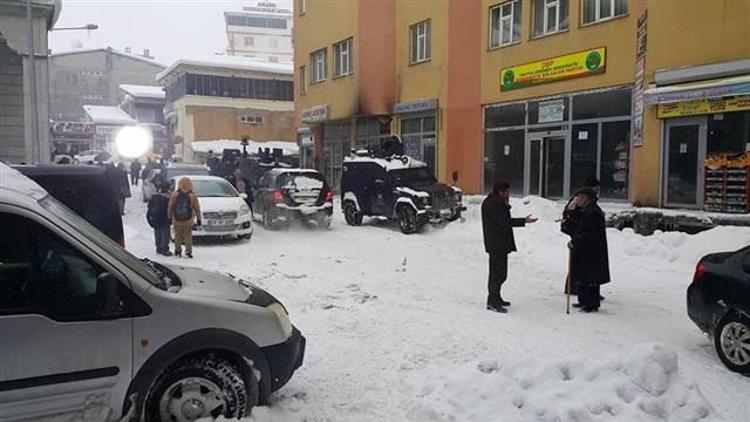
(90,332)
(91,156)
(225,212)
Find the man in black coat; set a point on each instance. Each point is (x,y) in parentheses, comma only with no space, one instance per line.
(589,267)
(497,225)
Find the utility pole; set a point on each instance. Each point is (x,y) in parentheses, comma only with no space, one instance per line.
(36,153)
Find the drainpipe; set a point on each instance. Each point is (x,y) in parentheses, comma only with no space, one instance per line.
(34,117)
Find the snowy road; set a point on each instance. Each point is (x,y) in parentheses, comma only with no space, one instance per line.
(397,330)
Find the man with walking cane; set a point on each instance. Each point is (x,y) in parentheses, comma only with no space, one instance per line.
(497,226)
(588,265)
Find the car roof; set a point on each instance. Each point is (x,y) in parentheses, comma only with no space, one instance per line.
(59,170)
(277,171)
(395,163)
(199,177)
(185,165)
(14,185)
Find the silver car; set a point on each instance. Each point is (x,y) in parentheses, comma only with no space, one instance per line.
(90,332)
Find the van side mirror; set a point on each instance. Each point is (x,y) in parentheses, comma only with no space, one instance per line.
(108,300)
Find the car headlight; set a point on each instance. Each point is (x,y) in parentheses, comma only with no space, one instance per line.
(283,317)
(244,210)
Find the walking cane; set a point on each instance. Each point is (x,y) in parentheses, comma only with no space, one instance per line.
(567,284)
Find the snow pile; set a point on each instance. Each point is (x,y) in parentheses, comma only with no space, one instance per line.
(642,386)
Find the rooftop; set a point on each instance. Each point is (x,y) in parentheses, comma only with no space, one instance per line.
(230,62)
(108,115)
(144,91)
(95,50)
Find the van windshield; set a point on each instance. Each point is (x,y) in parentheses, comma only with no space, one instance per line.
(93,234)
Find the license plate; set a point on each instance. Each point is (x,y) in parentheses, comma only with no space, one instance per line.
(220,222)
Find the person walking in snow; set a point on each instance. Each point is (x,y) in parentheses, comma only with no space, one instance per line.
(497,226)
(135,172)
(183,210)
(158,215)
(123,187)
(589,267)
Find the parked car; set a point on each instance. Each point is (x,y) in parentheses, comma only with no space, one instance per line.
(147,186)
(399,188)
(90,191)
(185,169)
(225,212)
(718,302)
(91,156)
(88,328)
(285,195)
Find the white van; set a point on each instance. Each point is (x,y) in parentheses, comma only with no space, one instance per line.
(90,332)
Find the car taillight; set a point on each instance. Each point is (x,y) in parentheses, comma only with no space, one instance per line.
(278,196)
(329,195)
(700,272)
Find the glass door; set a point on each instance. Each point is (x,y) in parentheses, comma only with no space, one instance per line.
(535,167)
(554,167)
(685,145)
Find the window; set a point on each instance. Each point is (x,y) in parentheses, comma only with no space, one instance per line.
(273,59)
(302,6)
(257,21)
(420,42)
(302,80)
(550,16)
(505,24)
(223,86)
(342,58)
(504,159)
(611,103)
(318,61)
(601,10)
(273,42)
(249,42)
(251,120)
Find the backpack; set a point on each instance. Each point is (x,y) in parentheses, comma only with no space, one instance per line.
(183,209)
(157,211)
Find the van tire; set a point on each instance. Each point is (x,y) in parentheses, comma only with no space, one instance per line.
(352,216)
(239,395)
(407,219)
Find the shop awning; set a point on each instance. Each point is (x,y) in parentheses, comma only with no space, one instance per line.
(719,88)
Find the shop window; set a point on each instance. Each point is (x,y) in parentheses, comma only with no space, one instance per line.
(583,157)
(318,61)
(420,34)
(548,111)
(342,58)
(602,10)
(336,144)
(550,16)
(369,130)
(615,159)
(420,139)
(505,116)
(505,23)
(728,132)
(504,159)
(602,104)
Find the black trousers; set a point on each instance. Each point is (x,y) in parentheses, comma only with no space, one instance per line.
(498,272)
(588,295)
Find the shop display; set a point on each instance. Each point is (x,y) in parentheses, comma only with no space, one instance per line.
(727,185)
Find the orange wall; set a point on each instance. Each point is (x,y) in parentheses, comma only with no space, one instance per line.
(224,123)
(377,68)
(463,110)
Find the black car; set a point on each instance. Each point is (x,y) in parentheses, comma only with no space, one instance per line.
(718,302)
(89,191)
(185,169)
(397,187)
(286,195)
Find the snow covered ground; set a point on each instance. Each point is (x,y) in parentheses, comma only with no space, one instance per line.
(397,329)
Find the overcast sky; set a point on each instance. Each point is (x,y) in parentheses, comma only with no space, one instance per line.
(171,29)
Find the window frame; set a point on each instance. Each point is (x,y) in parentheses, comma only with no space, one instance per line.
(302,77)
(424,40)
(548,4)
(597,11)
(338,63)
(249,38)
(302,7)
(513,40)
(315,78)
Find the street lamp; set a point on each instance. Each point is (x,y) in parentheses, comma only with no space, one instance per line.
(87,27)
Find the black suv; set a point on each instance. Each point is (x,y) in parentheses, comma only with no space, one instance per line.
(397,187)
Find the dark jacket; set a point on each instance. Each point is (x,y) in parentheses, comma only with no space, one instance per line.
(590,259)
(158,209)
(498,226)
(135,168)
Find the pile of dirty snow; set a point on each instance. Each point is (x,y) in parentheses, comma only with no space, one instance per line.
(641,386)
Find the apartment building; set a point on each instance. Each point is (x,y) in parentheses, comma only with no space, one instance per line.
(262,32)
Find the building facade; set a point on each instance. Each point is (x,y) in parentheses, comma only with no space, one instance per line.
(24,82)
(540,93)
(227,98)
(262,32)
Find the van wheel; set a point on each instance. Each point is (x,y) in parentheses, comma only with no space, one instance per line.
(201,387)
(407,219)
(352,216)
(732,342)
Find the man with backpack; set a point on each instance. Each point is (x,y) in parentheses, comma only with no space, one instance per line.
(157,215)
(183,209)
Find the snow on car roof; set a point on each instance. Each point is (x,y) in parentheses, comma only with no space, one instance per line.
(108,115)
(144,91)
(199,177)
(295,170)
(219,145)
(395,163)
(13,180)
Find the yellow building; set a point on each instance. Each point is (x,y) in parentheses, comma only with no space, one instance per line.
(227,98)
(544,94)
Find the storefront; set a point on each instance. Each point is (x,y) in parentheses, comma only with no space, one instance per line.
(418,132)
(705,140)
(306,148)
(550,146)
(336,144)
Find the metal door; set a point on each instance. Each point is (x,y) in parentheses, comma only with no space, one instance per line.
(684,151)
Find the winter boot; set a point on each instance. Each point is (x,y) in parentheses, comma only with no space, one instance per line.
(503,302)
(494,304)
(178,253)
(189,255)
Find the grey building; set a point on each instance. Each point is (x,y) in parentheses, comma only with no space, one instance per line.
(146,105)
(93,77)
(24,83)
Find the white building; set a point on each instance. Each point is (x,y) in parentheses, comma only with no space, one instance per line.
(263,32)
